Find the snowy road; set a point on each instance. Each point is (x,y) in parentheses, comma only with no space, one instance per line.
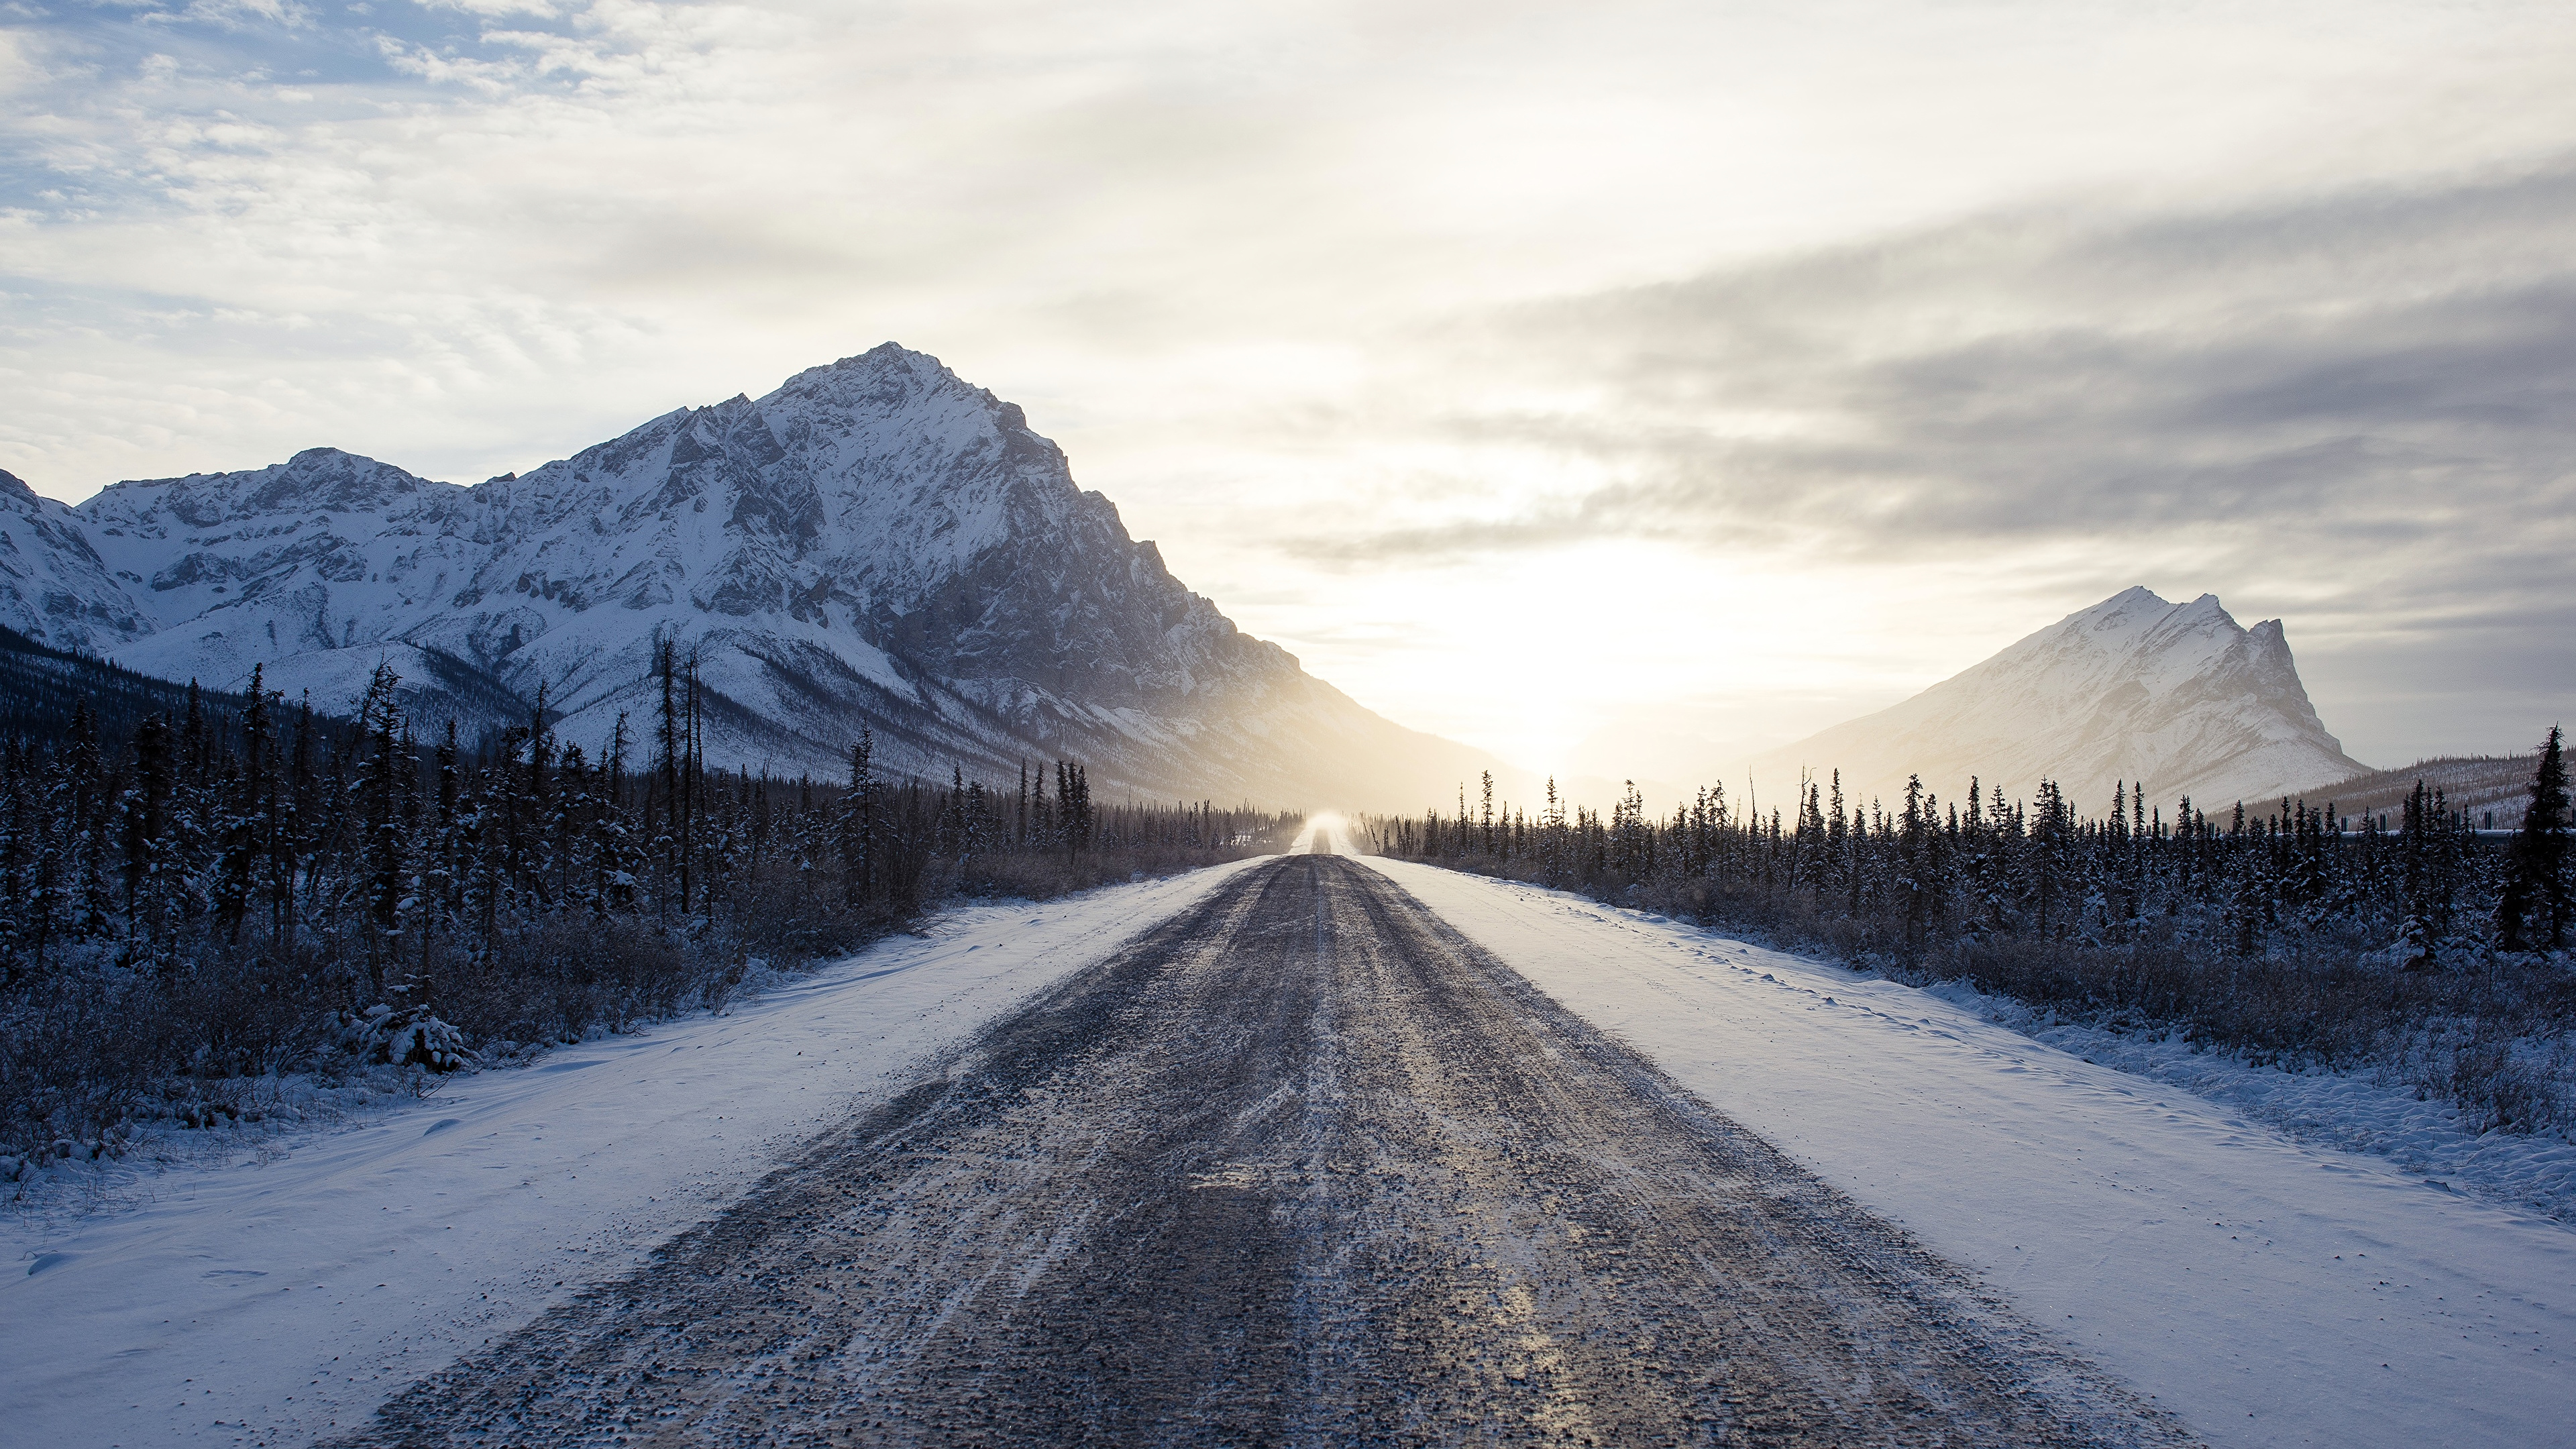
(1354,1176)
(1298,1165)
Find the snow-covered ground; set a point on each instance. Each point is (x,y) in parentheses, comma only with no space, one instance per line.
(267,1300)
(2349,1111)
(2273,1293)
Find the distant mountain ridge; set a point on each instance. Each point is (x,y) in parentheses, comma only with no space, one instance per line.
(875,543)
(2490,789)
(42,691)
(2177,698)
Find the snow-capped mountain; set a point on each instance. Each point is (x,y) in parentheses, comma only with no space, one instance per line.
(877,542)
(2179,696)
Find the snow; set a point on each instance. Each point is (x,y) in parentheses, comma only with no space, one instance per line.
(268,1300)
(2350,1112)
(2273,1293)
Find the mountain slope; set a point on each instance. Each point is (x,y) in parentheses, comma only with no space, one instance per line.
(42,688)
(2178,696)
(55,590)
(2494,790)
(876,543)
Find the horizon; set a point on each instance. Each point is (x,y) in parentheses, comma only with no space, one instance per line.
(1590,366)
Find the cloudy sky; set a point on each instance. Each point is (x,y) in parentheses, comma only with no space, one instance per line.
(1624,387)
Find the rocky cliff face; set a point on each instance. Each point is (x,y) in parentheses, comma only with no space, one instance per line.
(2179,696)
(875,543)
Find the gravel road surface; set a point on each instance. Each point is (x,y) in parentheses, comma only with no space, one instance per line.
(1298,1166)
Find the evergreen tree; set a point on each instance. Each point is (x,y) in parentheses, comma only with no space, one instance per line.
(2535,882)
(145,817)
(243,846)
(859,824)
(379,801)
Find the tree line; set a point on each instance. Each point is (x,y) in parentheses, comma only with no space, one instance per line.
(2423,944)
(223,896)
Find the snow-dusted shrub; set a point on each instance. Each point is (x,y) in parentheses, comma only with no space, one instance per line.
(2498,1085)
(244,1011)
(411,1036)
(78,1050)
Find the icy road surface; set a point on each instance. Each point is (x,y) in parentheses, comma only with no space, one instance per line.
(1298,1166)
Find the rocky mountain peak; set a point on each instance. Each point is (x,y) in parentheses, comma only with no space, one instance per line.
(316,480)
(876,543)
(885,381)
(2135,688)
(329,479)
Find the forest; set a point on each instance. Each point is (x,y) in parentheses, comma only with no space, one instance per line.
(239,889)
(2416,944)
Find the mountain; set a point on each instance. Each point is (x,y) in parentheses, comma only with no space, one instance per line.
(876,543)
(2178,696)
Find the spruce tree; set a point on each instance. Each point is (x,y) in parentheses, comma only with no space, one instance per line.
(244,824)
(146,812)
(380,791)
(1911,848)
(858,823)
(2535,866)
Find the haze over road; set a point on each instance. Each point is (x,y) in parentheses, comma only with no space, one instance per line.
(1299,1164)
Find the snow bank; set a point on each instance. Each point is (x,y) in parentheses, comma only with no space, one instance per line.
(2352,1112)
(267,1302)
(2272,1293)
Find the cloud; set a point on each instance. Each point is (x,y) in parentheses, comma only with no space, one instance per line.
(2356,410)
(1322,293)
(2383,375)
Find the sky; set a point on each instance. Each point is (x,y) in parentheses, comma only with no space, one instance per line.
(1625,388)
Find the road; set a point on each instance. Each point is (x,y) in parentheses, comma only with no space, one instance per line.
(1297,1166)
